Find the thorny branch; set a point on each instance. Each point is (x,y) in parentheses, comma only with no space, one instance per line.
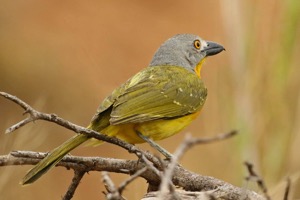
(149,167)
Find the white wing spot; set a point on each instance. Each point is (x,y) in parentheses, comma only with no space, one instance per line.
(177,103)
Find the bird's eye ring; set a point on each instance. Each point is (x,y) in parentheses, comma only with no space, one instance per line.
(197,44)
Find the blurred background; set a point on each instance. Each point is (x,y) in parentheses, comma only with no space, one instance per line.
(64,57)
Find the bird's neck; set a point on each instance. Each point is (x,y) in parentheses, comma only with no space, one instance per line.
(198,67)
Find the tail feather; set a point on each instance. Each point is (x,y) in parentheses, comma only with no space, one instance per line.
(53,158)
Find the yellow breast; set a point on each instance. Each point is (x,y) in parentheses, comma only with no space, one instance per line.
(156,130)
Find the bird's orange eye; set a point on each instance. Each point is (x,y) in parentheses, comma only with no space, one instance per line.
(197,44)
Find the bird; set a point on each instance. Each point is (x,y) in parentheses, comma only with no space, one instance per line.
(156,103)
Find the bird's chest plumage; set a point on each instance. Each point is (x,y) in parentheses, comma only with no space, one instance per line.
(157,107)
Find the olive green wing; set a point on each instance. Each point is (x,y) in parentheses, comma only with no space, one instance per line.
(159,92)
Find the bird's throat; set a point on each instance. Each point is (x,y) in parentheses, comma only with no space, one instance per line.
(198,67)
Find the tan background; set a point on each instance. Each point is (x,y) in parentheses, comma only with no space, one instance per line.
(64,57)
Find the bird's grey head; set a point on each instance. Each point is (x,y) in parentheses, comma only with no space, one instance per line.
(185,50)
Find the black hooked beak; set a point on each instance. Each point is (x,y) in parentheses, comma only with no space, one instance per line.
(212,48)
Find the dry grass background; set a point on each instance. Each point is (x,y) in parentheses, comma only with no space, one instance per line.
(64,57)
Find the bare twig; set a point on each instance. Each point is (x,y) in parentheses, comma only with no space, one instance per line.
(166,181)
(113,193)
(116,193)
(155,169)
(109,185)
(287,189)
(184,195)
(254,177)
(15,99)
(25,106)
(187,180)
(208,140)
(151,166)
(36,115)
(77,163)
(19,125)
(189,142)
(78,175)
(132,178)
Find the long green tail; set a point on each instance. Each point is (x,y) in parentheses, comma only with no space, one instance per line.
(53,158)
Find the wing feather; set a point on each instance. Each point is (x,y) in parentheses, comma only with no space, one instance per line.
(158,93)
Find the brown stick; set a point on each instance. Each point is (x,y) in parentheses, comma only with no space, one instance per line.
(187,180)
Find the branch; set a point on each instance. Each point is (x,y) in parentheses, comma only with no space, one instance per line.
(287,189)
(183,178)
(78,174)
(36,115)
(188,143)
(113,192)
(116,193)
(132,178)
(254,177)
(180,177)
(181,194)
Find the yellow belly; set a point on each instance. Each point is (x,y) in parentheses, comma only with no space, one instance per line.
(156,130)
